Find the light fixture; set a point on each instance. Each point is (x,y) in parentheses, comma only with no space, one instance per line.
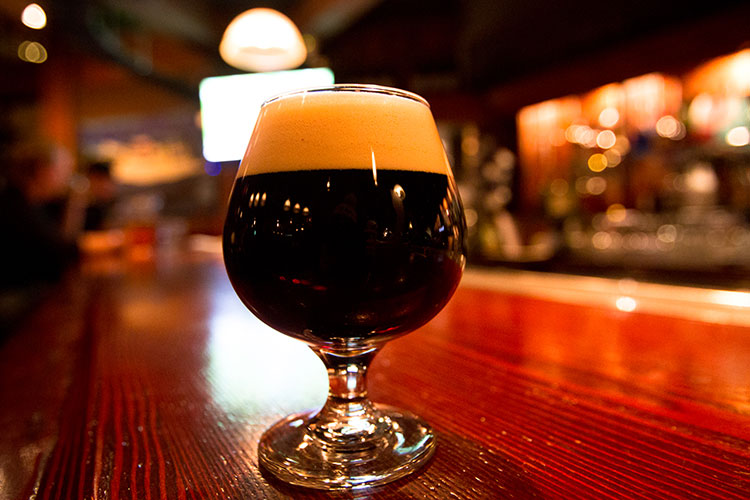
(262,39)
(33,16)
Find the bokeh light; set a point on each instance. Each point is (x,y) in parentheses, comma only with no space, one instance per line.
(609,117)
(596,185)
(670,127)
(559,187)
(622,145)
(34,17)
(606,139)
(601,240)
(616,213)
(667,233)
(597,162)
(738,136)
(626,304)
(570,133)
(33,52)
(613,157)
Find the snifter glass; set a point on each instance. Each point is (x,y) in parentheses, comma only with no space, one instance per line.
(345,230)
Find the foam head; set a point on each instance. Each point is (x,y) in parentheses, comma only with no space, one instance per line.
(346,128)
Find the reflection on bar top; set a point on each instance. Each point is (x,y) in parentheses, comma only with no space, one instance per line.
(727,307)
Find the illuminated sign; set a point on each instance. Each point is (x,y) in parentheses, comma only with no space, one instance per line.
(230,106)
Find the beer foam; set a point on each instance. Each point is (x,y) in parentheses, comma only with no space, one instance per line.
(344,130)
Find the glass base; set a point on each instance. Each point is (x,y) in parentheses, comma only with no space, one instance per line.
(290,452)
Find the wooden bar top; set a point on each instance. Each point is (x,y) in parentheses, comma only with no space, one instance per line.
(150,380)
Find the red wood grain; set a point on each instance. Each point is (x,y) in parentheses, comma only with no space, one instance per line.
(151,381)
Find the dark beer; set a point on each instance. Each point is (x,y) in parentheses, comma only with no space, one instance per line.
(344,223)
(340,254)
(344,229)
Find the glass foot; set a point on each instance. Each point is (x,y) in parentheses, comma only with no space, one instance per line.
(292,451)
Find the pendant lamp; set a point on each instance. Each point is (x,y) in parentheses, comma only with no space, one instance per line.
(262,39)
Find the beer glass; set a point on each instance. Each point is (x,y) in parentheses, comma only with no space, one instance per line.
(345,230)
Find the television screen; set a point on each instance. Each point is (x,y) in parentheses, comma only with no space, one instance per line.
(230,106)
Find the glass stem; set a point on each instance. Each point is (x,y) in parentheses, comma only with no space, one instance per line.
(348,422)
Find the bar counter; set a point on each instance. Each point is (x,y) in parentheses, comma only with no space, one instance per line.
(147,378)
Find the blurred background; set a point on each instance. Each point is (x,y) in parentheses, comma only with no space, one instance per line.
(592,138)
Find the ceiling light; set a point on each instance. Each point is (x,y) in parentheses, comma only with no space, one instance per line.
(262,40)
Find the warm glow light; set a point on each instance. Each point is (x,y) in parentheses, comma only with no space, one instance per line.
(719,91)
(583,135)
(33,52)
(609,117)
(604,105)
(670,127)
(542,128)
(728,75)
(728,298)
(650,97)
(738,136)
(34,17)
(699,111)
(145,161)
(739,73)
(263,39)
(601,240)
(616,213)
(709,114)
(559,187)
(597,162)
(470,145)
(596,185)
(613,157)
(579,133)
(701,178)
(606,139)
(622,145)
(570,133)
(626,304)
(667,233)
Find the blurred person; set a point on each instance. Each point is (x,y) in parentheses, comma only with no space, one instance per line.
(102,219)
(102,195)
(38,219)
